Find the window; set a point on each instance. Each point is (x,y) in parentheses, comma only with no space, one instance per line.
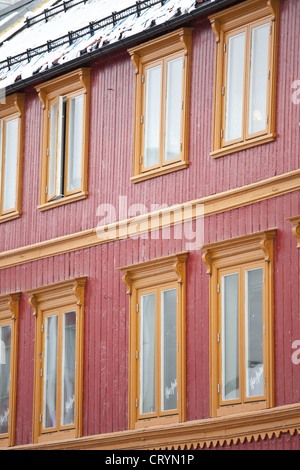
(245,81)
(9,316)
(161,105)
(59,311)
(65,103)
(241,318)
(157,341)
(11,148)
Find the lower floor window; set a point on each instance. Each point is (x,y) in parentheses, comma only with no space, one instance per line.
(241,334)
(158,352)
(5,348)
(59,369)
(59,310)
(241,323)
(157,340)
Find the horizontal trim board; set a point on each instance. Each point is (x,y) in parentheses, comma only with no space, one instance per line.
(180,213)
(212,431)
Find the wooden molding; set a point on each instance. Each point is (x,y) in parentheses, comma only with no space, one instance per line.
(9,315)
(256,249)
(296,228)
(224,23)
(175,44)
(146,223)
(14,108)
(137,273)
(9,306)
(66,294)
(190,435)
(258,245)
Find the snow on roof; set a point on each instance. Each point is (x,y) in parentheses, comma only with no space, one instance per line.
(59,31)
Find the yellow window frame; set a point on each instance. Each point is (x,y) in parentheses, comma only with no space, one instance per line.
(159,52)
(67,86)
(149,277)
(231,256)
(9,315)
(57,299)
(225,24)
(12,107)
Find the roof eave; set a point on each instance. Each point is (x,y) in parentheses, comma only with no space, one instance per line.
(202,9)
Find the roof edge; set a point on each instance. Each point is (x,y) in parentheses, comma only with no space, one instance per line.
(202,9)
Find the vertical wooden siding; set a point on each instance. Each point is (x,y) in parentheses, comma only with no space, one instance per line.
(111,142)
(107,311)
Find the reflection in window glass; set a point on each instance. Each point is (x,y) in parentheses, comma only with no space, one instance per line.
(254,332)
(235,87)
(147,347)
(5,347)
(168,350)
(230,335)
(258,79)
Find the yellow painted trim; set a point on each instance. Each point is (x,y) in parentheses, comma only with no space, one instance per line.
(233,254)
(9,315)
(262,424)
(43,300)
(214,204)
(149,277)
(157,51)
(296,228)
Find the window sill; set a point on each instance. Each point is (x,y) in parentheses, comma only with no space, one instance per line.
(161,421)
(243,146)
(237,409)
(10,216)
(57,436)
(60,202)
(159,172)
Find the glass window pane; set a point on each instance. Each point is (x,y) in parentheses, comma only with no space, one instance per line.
(152,116)
(75,142)
(147,354)
(10,164)
(173,109)
(68,368)
(254,332)
(52,150)
(50,372)
(235,87)
(230,336)
(169,350)
(258,79)
(5,345)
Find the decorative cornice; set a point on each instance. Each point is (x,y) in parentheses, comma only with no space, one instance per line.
(181,213)
(296,228)
(263,424)
(174,264)
(72,288)
(259,244)
(9,306)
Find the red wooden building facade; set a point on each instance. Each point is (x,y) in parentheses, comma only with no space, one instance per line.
(124,234)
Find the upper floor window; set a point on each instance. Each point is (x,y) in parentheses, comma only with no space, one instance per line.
(65,138)
(245,82)
(157,341)
(9,315)
(241,319)
(11,149)
(59,310)
(161,105)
